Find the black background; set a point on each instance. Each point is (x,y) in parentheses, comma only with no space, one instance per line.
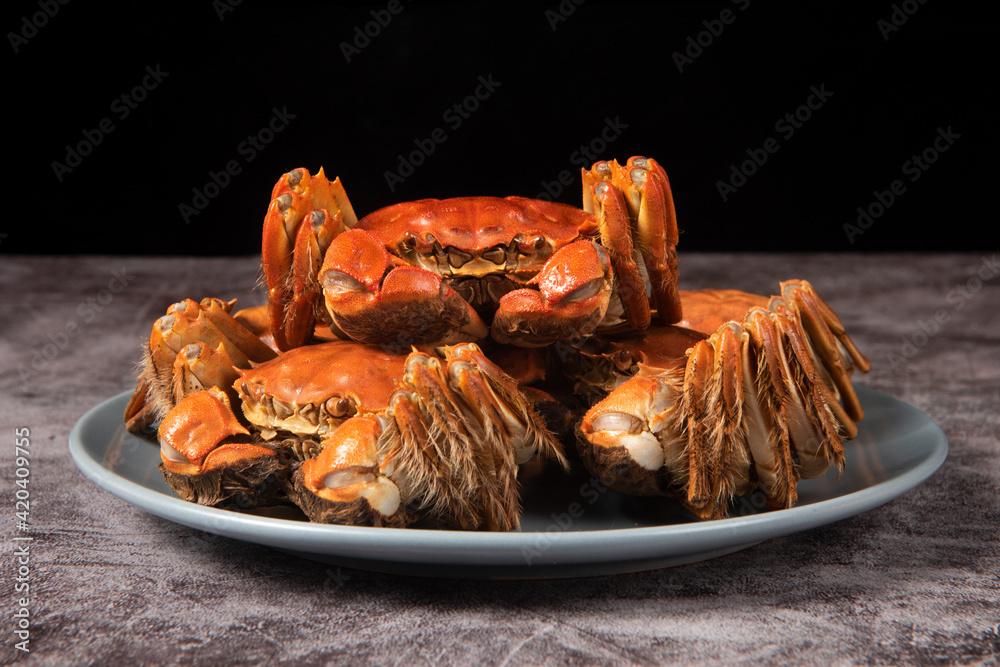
(557,87)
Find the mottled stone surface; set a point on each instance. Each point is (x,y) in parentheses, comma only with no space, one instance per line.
(914,581)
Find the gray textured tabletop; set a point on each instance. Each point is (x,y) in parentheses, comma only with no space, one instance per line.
(915,581)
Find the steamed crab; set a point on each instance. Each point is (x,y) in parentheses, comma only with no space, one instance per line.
(358,435)
(752,392)
(529,272)
(702,395)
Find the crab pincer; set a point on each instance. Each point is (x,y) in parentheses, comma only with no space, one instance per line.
(208,457)
(373,298)
(567,299)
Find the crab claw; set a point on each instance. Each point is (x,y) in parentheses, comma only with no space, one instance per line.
(374,301)
(570,298)
(208,457)
(344,484)
(305,214)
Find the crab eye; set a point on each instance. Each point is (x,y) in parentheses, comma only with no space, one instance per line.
(639,176)
(601,189)
(458,258)
(317,218)
(294,177)
(497,255)
(284,201)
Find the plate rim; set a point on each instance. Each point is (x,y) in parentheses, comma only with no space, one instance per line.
(416,545)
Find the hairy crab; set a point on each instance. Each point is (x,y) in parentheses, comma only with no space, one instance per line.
(529,272)
(701,395)
(364,436)
(755,394)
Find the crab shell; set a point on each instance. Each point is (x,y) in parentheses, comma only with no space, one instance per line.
(762,401)
(312,390)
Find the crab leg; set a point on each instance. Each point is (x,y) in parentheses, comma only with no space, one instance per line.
(771,449)
(294,197)
(607,203)
(314,237)
(373,300)
(830,340)
(645,189)
(226,343)
(198,367)
(567,299)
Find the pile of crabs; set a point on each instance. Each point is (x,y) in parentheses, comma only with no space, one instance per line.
(407,364)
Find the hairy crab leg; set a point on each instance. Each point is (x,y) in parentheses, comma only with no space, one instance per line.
(373,300)
(607,203)
(198,367)
(185,323)
(567,299)
(314,237)
(296,195)
(752,397)
(645,189)
(776,468)
(648,192)
(830,340)
(820,444)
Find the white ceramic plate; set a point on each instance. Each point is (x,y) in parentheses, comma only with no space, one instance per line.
(570,527)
